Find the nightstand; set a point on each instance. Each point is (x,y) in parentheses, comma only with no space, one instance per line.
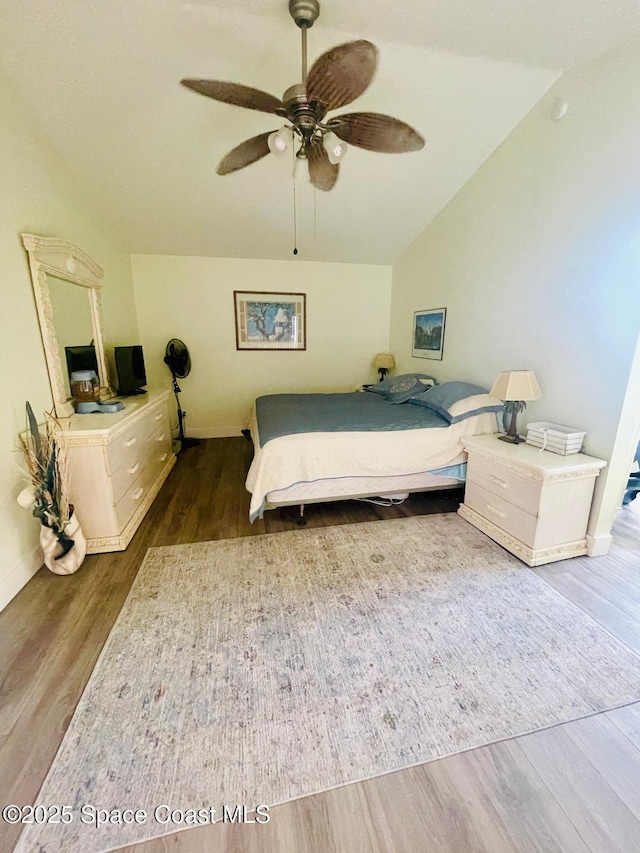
(535,504)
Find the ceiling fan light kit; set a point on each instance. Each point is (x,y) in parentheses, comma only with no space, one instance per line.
(301,171)
(335,147)
(335,79)
(280,141)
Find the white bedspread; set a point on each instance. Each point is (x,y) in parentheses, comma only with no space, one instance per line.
(326,455)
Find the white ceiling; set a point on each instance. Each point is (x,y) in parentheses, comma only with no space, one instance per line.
(102,78)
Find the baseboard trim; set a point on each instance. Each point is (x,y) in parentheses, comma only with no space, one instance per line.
(531,556)
(18,576)
(599,546)
(214,432)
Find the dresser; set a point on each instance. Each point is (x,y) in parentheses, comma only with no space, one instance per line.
(534,503)
(117,463)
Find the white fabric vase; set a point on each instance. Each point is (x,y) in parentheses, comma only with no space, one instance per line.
(51,547)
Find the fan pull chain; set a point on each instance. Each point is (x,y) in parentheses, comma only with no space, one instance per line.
(295,224)
(315,196)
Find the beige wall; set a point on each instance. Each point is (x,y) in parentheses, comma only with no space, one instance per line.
(537,260)
(192,299)
(38,196)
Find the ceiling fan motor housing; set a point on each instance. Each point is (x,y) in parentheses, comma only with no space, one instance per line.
(302,115)
(304,12)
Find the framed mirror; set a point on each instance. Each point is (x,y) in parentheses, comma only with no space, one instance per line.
(67,290)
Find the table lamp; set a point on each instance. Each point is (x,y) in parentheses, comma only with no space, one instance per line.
(384,361)
(515,388)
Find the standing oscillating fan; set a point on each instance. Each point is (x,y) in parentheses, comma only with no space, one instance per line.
(178,361)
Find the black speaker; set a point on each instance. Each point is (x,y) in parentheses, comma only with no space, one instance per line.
(131,373)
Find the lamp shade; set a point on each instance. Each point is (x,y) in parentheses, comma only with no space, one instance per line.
(280,141)
(301,168)
(334,146)
(516,385)
(384,360)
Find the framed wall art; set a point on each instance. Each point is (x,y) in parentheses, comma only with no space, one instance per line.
(272,321)
(428,333)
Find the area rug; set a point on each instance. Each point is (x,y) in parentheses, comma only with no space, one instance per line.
(248,672)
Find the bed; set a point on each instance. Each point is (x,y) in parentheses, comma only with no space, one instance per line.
(310,448)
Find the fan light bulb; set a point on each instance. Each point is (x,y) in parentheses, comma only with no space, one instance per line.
(301,168)
(334,146)
(280,141)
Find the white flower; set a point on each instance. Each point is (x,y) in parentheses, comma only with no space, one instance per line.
(27,497)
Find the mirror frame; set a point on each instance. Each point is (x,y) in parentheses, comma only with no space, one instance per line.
(58,258)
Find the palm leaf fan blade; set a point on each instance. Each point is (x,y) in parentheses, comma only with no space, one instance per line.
(244,154)
(234,94)
(376,132)
(341,74)
(323,174)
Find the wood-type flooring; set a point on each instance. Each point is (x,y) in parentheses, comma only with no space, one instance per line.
(574,788)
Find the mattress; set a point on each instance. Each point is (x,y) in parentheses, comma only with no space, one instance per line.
(291,460)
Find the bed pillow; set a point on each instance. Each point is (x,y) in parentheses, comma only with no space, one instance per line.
(400,389)
(456,401)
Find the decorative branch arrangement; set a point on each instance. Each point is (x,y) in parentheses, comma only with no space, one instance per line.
(46,463)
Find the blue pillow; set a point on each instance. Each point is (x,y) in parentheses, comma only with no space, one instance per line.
(402,388)
(456,401)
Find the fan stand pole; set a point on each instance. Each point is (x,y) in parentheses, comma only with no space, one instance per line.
(184,441)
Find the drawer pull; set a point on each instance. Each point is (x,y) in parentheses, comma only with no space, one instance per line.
(495,510)
(158,417)
(163,457)
(161,438)
(498,481)
(133,468)
(138,494)
(130,442)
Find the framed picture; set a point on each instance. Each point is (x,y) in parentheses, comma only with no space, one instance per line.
(428,333)
(270,320)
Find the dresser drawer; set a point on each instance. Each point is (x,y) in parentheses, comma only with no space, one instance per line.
(152,450)
(137,492)
(126,475)
(158,450)
(513,487)
(510,518)
(124,451)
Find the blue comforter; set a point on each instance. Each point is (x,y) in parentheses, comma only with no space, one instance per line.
(292,414)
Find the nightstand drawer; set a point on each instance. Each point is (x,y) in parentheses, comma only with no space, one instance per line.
(510,518)
(515,488)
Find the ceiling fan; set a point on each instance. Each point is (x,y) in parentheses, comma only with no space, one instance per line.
(337,78)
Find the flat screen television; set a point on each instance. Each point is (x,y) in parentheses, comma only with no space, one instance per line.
(131,373)
(81,358)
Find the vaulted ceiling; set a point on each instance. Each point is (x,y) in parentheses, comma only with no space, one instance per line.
(102,80)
